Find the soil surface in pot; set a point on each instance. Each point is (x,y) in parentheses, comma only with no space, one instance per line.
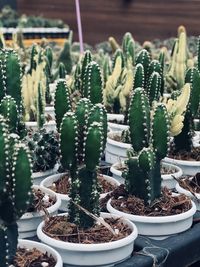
(41,201)
(164,206)
(62,185)
(59,228)
(33,258)
(124,137)
(193,155)
(191,184)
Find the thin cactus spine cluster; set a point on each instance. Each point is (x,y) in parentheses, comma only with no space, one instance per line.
(15,190)
(150,140)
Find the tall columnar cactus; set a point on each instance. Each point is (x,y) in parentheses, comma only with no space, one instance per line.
(61,101)
(34,58)
(128,46)
(183,141)
(92,85)
(15,191)
(154,87)
(144,58)
(139,77)
(61,71)
(10,75)
(40,107)
(150,140)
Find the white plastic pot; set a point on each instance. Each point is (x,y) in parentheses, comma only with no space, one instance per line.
(28,244)
(188,167)
(37,177)
(47,182)
(118,117)
(187,193)
(115,151)
(104,254)
(116,127)
(49,126)
(167,179)
(49,110)
(158,227)
(28,223)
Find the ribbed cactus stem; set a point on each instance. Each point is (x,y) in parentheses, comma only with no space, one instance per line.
(128,46)
(77,78)
(92,83)
(34,58)
(144,59)
(139,119)
(93,146)
(87,58)
(62,102)
(69,140)
(49,54)
(40,107)
(198,54)
(139,78)
(8,109)
(154,87)
(118,54)
(61,71)
(10,75)
(98,113)
(155,66)
(160,131)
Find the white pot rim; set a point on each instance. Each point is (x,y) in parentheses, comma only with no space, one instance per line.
(182,162)
(178,172)
(114,116)
(38,245)
(118,125)
(180,189)
(47,172)
(117,143)
(151,219)
(51,209)
(34,123)
(89,247)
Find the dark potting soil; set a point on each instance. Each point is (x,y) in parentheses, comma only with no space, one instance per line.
(62,185)
(59,228)
(164,206)
(41,201)
(191,184)
(193,155)
(33,258)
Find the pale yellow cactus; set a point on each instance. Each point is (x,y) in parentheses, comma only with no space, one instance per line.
(30,85)
(113,43)
(118,85)
(176,109)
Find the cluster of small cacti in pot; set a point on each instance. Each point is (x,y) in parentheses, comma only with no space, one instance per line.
(15,190)
(150,135)
(82,141)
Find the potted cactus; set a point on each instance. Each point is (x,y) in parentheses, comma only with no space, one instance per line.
(86,114)
(15,187)
(149,135)
(183,152)
(44,148)
(84,204)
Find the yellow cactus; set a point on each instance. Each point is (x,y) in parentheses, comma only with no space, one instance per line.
(113,43)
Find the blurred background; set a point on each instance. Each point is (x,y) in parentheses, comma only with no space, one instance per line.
(145,19)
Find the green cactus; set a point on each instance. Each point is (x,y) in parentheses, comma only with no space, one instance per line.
(34,58)
(139,78)
(61,71)
(40,107)
(61,102)
(92,83)
(144,58)
(15,190)
(82,138)
(118,54)
(150,141)
(154,87)
(128,46)
(10,75)
(198,54)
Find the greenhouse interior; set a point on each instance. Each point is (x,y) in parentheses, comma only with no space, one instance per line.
(99,133)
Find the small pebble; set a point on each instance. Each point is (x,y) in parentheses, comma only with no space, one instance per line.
(44,264)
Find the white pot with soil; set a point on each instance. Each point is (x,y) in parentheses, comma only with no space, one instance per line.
(116,127)
(38,177)
(189,191)
(189,167)
(101,254)
(49,125)
(115,150)
(112,117)
(50,181)
(158,227)
(28,244)
(28,223)
(168,171)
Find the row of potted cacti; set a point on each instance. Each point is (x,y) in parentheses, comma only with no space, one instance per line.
(134,85)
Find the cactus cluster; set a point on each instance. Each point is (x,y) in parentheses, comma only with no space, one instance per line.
(149,134)
(44,149)
(15,190)
(82,141)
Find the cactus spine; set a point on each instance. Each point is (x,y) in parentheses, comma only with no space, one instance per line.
(15,188)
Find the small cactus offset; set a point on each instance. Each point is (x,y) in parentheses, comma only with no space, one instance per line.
(15,188)
(154,87)
(62,102)
(92,83)
(139,77)
(144,58)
